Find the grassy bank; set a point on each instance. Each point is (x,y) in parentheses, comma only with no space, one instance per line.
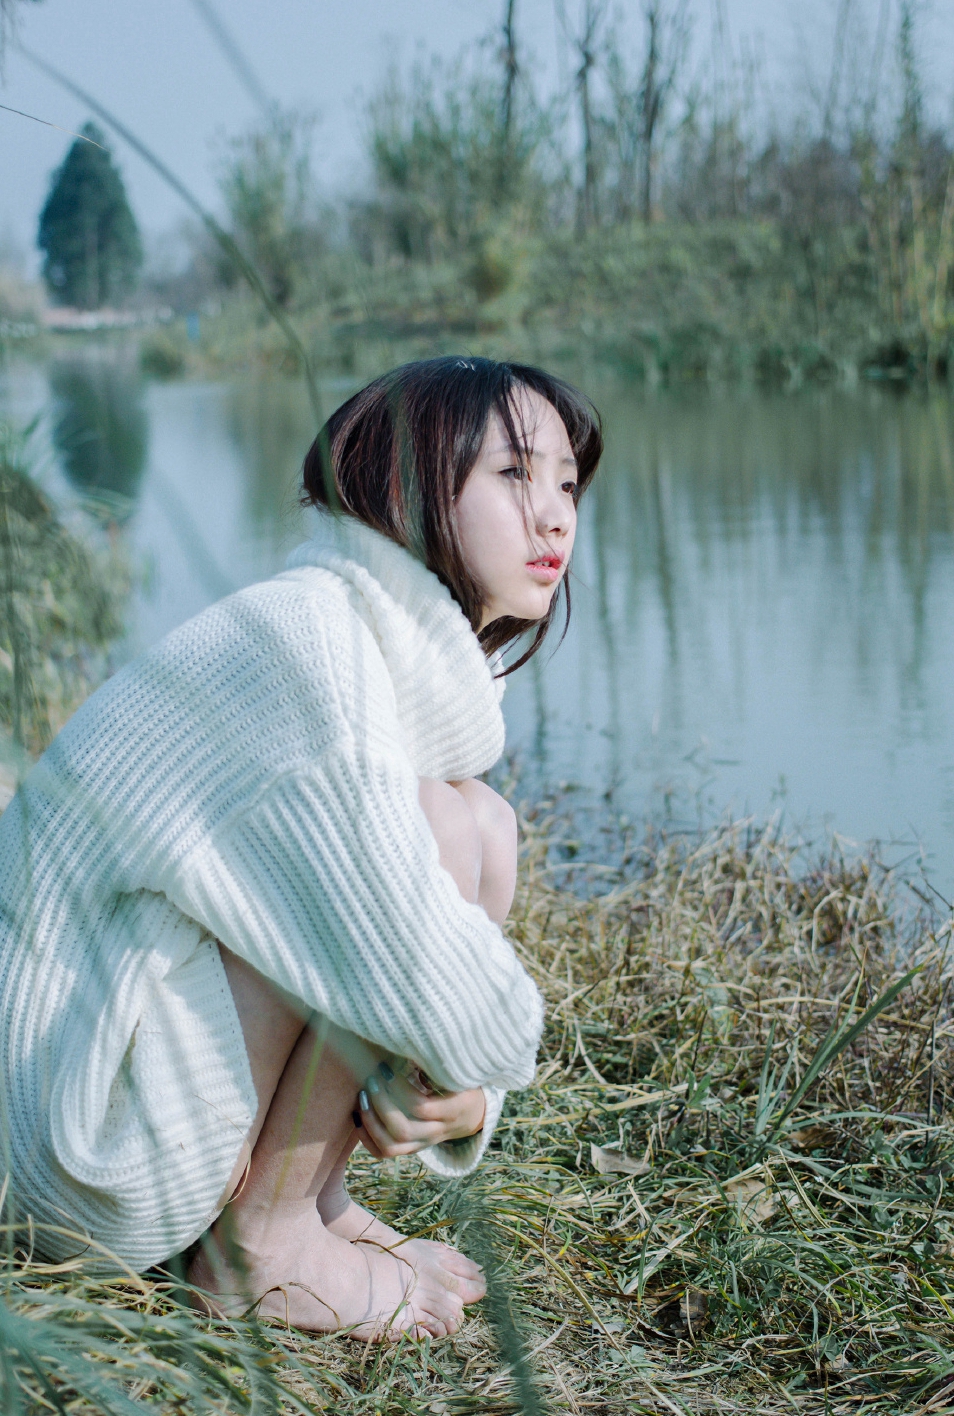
(681,1216)
(648,210)
(729,299)
(646,214)
(675,300)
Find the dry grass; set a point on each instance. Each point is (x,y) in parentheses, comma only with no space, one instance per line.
(742,1239)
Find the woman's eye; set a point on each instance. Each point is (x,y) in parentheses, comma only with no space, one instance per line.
(572,488)
(519,474)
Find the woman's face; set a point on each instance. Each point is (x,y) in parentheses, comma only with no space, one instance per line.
(516,514)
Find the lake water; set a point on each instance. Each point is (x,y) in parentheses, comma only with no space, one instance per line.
(763,583)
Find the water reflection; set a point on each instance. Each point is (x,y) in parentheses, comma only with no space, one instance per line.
(765,592)
(272,425)
(99,427)
(699,489)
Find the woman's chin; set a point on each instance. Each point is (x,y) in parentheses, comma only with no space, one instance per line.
(541,604)
(531,608)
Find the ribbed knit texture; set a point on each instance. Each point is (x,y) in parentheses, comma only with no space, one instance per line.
(252,779)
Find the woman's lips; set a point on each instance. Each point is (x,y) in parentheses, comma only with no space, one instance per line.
(546,568)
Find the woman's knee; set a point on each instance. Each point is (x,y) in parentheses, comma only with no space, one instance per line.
(497,827)
(495,817)
(457,832)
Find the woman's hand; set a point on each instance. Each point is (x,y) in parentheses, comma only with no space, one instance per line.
(399,1116)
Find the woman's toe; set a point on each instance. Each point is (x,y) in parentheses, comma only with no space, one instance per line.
(469,1290)
(444,1307)
(456,1262)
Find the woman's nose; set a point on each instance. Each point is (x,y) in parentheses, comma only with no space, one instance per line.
(552,511)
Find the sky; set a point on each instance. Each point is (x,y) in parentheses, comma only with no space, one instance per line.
(159,69)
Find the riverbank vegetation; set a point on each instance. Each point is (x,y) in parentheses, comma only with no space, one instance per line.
(653,212)
(656,209)
(63,589)
(728,1190)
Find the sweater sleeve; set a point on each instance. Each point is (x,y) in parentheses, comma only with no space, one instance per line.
(452,1159)
(330,885)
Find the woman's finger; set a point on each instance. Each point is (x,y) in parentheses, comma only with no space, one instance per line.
(377,1140)
(402,1121)
(371,1146)
(388,1126)
(400,1124)
(422,1105)
(365,1136)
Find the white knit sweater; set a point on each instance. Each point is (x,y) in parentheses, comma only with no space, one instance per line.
(252,779)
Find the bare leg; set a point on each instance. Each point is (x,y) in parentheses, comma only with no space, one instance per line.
(341,1215)
(291,1236)
(272,1022)
(270,1247)
(456,832)
(476,834)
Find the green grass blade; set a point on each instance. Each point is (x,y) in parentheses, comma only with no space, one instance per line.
(838,1040)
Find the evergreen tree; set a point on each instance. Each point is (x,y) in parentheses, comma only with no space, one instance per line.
(87,230)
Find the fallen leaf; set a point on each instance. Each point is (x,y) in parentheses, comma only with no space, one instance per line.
(608,1161)
(753,1198)
(813,1137)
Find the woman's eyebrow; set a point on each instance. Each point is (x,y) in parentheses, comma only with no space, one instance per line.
(508,450)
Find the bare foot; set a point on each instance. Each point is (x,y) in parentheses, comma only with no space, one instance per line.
(447,1265)
(297,1271)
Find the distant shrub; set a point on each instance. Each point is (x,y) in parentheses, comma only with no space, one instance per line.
(160,357)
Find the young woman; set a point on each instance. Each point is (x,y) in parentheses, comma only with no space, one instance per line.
(251,897)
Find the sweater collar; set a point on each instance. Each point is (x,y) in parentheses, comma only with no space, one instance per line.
(448,700)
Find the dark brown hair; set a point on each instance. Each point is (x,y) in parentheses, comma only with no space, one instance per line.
(398,453)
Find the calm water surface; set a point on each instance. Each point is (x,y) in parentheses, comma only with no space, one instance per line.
(763,585)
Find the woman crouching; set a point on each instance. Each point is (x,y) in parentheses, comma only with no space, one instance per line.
(251,898)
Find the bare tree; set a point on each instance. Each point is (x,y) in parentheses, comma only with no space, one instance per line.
(508,98)
(667,33)
(837,65)
(585,43)
(511,70)
(626,126)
